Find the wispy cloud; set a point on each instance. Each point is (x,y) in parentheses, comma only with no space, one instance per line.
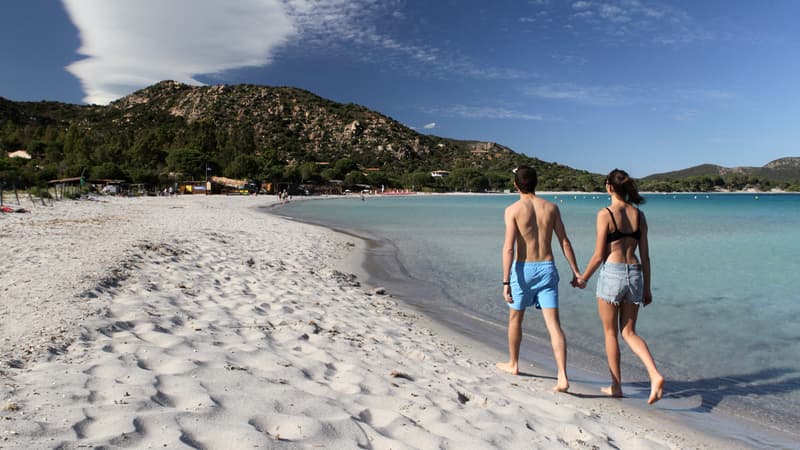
(722,140)
(617,95)
(581,5)
(703,94)
(686,115)
(591,95)
(429,126)
(484,112)
(569,59)
(373,46)
(646,21)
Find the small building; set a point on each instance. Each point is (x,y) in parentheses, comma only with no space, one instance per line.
(192,187)
(440,174)
(19,154)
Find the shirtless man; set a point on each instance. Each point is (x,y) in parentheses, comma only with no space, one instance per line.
(532,279)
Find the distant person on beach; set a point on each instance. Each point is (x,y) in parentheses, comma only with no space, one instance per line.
(624,281)
(530,277)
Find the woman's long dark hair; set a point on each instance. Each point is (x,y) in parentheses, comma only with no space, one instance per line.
(624,185)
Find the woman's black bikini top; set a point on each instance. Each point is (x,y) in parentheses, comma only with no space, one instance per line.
(617,235)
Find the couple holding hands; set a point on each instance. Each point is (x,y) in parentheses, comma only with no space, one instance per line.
(530,277)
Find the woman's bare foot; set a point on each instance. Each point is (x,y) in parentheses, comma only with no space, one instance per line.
(613,391)
(562,386)
(656,389)
(511,368)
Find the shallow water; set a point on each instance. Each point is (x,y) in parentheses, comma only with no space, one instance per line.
(724,323)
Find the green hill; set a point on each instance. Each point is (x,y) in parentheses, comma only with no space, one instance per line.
(278,134)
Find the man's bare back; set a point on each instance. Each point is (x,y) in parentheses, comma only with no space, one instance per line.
(535,219)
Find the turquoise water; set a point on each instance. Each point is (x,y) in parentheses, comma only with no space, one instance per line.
(725,322)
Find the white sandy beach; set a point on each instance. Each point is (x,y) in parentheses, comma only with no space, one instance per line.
(202,322)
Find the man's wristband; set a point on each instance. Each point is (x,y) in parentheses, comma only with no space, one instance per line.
(506,283)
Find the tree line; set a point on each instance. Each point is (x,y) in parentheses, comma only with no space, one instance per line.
(170,149)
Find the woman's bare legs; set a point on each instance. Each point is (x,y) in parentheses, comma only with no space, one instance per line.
(559,343)
(514,339)
(609,316)
(627,323)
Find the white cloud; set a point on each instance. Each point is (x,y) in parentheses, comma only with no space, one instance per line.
(129,45)
(614,13)
(132,44)
(430,126)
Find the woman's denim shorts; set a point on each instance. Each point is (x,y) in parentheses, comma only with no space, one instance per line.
(620,283)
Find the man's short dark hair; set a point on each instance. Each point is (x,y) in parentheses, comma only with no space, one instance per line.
(526,179)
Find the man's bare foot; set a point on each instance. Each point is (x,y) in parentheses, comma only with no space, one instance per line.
(614,391)
(656,389)
(513,369)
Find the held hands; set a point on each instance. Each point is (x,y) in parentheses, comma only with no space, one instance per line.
(578,281)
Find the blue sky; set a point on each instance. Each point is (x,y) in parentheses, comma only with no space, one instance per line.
(645,86)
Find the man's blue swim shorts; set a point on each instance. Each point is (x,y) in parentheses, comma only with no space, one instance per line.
(534,284)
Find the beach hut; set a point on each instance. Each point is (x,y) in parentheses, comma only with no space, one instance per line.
(192,187)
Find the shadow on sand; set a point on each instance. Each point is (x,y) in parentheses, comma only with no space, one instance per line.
(712,391)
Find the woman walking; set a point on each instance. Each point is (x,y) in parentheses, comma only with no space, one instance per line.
(624,280)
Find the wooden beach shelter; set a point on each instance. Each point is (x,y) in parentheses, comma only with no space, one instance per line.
(74,184)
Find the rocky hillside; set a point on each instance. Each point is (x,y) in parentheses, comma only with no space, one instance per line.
(784,164)
(301,126)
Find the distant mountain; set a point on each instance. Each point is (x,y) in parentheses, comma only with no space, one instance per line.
(791,163)
(783,173)
(245,130)
(779,170)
